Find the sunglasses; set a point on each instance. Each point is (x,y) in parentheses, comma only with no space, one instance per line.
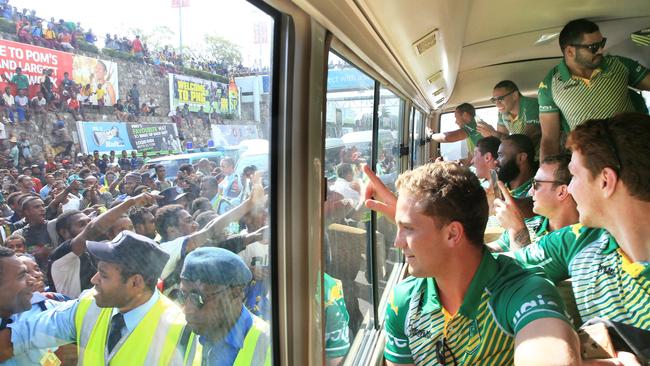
(594,47)
(500,98)
(441,350)
(196,298)
(537,183)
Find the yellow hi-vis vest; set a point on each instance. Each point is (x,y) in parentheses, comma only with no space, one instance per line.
(154,340)
(255,351)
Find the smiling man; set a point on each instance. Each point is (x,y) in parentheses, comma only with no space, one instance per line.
(607,259)
(123,321)
(461,305)
(586,84)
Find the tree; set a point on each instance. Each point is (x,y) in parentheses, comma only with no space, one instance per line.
(158,37)
(222,50)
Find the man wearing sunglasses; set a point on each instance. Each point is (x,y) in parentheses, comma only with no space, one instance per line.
(461,305)
(212,293)
(517,113)
(552,202)
(586,84)
(608,259)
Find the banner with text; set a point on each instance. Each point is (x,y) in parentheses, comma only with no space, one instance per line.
(118,136)
(33,60)
(196,93)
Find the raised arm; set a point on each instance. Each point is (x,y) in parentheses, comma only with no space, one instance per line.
(377,196)
(103,223)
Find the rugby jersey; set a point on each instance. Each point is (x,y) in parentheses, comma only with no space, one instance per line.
(522,190)
(501,300)
(602,96)
(472,134)
(337,319)
(605,282)
(537,227)
(528,114)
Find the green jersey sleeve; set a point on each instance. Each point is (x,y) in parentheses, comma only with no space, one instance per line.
(337,335)
(530,299)
(637,72)
(504,241)
(545,95)
(529,110)
(397,348)
(554,252)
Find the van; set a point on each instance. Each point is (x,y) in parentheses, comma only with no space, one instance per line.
(173,162)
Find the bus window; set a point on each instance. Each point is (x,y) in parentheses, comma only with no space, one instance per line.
(348,304)
(459,150)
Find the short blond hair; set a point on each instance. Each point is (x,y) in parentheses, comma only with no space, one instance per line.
(448,192)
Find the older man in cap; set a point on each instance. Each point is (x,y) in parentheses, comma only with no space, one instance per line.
(123,321)
(212,294)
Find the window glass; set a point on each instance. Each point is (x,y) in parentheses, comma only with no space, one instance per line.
(416,152)
(391,114)
(169,96)
(347,282)
(458,150)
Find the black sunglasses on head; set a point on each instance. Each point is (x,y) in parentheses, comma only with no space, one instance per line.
(594,47)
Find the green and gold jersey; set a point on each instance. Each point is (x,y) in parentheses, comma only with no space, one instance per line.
(337,336)
(537,227)
(602,96)
(472,134)
(605,282)
(522,190)
(500,301)
(528,114)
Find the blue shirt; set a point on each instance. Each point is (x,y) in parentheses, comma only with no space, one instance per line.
(224,352)
(45,191)
(56,326)
(32,356)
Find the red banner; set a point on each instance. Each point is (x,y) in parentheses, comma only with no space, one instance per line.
(32,60)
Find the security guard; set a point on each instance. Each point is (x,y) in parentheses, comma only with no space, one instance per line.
(212,293)
(124,320)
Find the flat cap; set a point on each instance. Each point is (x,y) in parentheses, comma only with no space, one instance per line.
(216,266)
(135,253)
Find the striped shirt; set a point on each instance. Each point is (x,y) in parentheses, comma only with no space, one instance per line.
(602,96)
(500,301)
(537,227)
(605,282)
(528,114)
(522,190)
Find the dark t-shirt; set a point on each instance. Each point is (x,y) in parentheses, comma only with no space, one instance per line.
(86,269)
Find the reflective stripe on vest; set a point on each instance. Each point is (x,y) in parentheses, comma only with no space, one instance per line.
(152,342)
(255,351)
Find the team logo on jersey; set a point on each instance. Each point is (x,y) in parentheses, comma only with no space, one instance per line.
(542,85)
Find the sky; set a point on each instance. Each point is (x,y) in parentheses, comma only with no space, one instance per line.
(231,19)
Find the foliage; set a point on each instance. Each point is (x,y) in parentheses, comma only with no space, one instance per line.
(204,75)
(87,47)
(222,50)
(7,26)
(118,54)
(156,38)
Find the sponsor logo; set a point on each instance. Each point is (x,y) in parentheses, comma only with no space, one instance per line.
(530,305)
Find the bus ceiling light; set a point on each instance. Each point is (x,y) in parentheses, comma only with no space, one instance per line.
(546,38)
(426,42)
(438,92)
(439,102)
(435,77)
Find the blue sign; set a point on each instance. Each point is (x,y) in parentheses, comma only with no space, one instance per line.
(106,136)
(348,79)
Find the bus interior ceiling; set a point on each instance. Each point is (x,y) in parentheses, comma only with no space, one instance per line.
(442,53)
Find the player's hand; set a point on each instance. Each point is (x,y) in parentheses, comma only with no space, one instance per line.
(377,196)
(506,210)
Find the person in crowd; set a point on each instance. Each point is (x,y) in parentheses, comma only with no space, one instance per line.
(229,187)
(460,302)
(144,222)
(131,181)
(221,322)
(18,301)
(39,233)
(38,107)
(19,79)
(465,115)
(608,250)
(586,77)
(115,314)
(9,103)
(21,103)
(552,203)
(345,183)
(16,242)
(516,164)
